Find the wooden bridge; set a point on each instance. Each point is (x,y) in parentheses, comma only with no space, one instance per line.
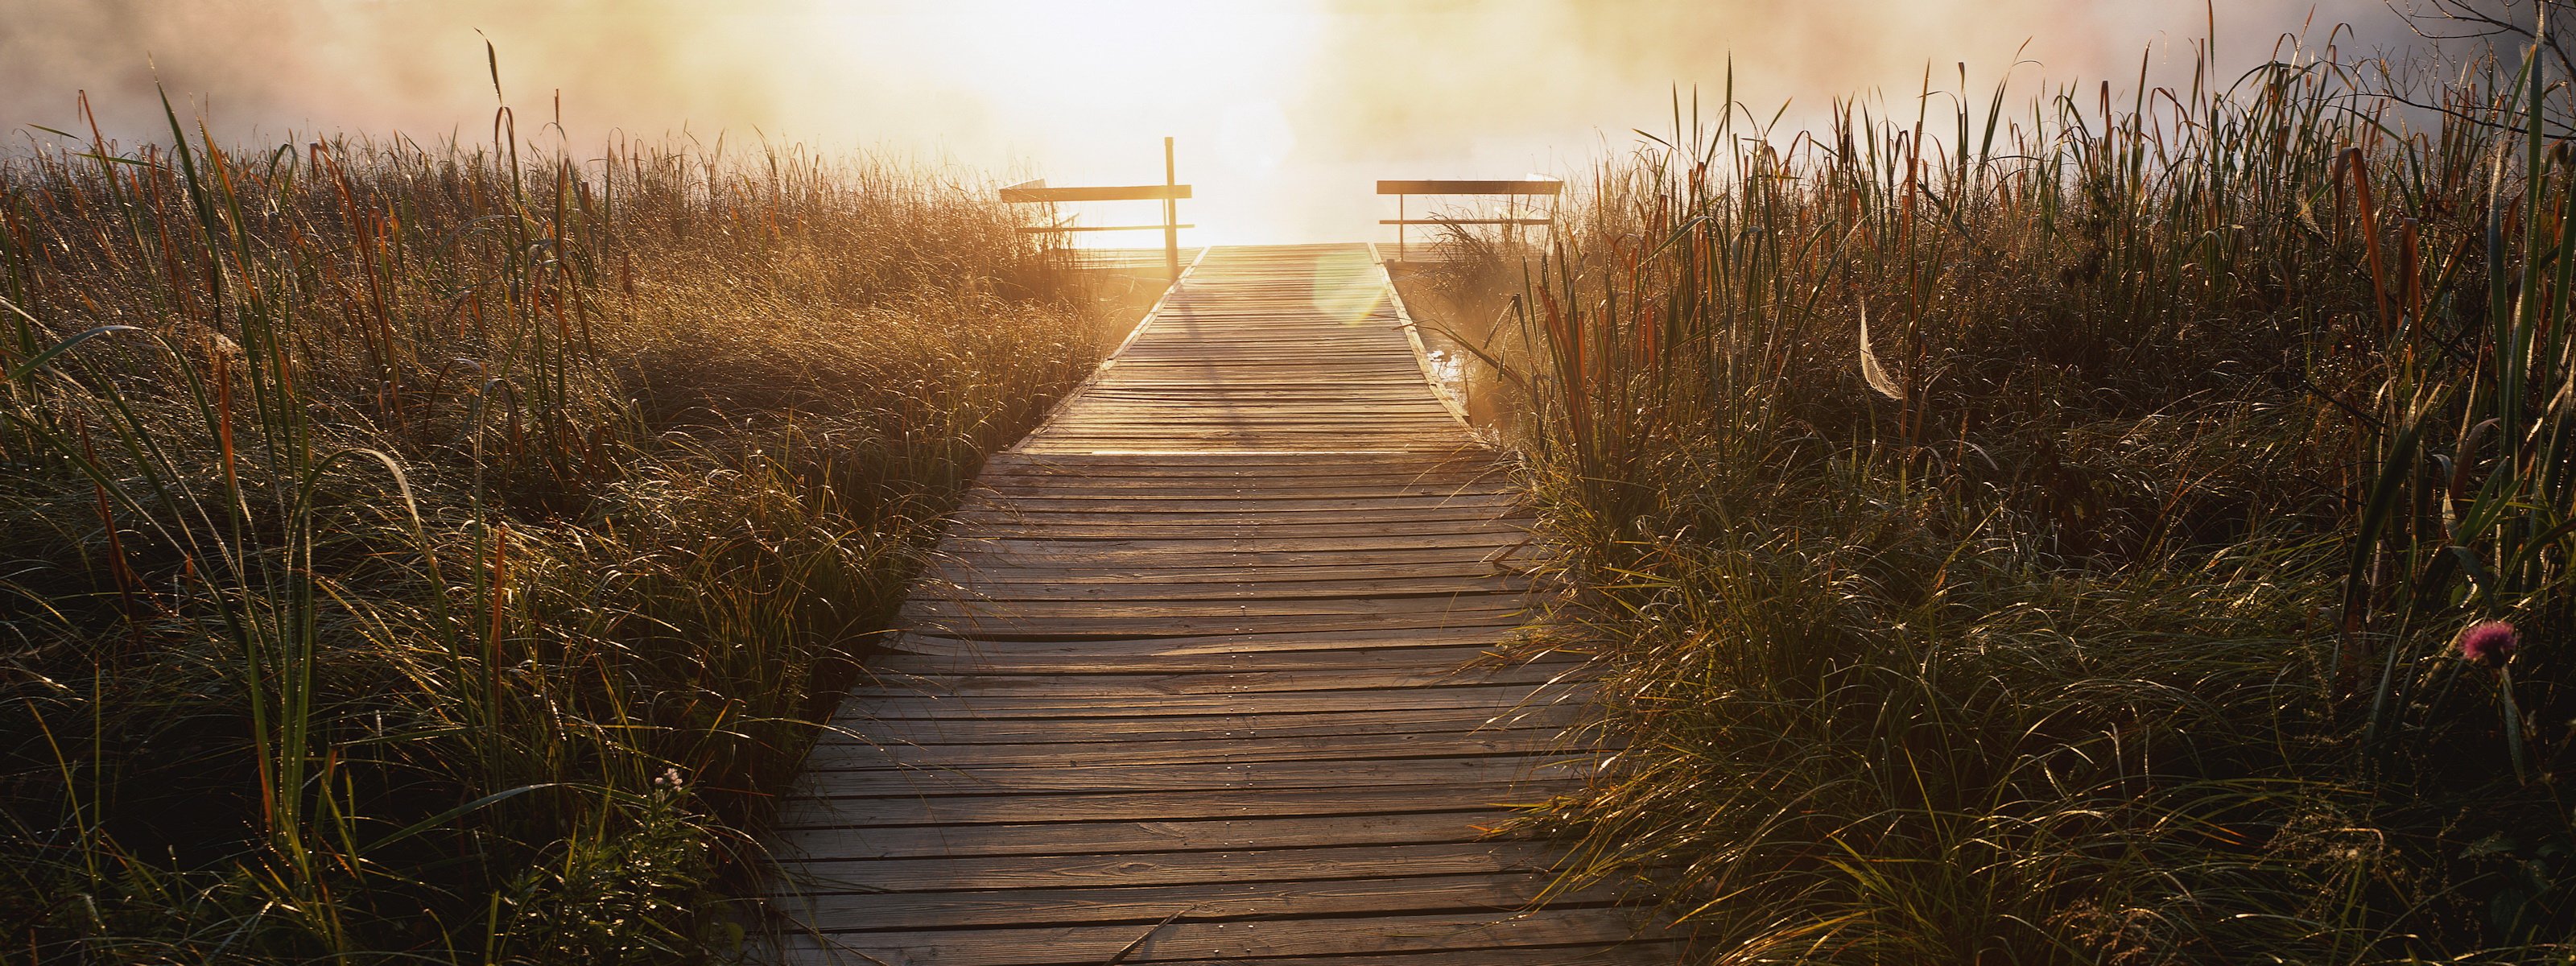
(1197,677)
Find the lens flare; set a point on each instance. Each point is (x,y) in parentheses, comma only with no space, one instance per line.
(1346,288)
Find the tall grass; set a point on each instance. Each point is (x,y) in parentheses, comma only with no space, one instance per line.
(2036,533)
(440,551)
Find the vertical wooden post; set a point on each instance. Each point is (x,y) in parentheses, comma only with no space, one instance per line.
(1171,217)
(1400,226)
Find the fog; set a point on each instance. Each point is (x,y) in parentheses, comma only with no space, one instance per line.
(1285,111)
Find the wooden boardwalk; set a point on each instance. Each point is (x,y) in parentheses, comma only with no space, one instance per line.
(1191,680)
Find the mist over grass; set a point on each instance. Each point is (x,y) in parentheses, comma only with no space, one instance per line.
(1286,111)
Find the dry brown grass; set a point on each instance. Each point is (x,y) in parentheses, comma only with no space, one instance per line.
(450,558)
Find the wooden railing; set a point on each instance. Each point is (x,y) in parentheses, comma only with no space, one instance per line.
(1170,193)
(1510,191)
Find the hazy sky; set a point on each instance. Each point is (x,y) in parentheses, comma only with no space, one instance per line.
(1286,111)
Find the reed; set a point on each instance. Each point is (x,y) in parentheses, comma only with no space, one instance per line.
(2038,533)
(444,552)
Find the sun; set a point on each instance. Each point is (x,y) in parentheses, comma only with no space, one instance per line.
(1093,88)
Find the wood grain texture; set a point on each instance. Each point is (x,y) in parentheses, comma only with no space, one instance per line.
(1207,670)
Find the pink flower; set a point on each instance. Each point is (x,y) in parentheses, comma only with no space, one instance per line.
(2489,642)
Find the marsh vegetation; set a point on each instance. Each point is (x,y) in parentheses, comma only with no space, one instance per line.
(2042,529)
(440,551)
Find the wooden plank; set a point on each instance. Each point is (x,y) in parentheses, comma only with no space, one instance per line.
(1346,659)
(1061,629)
(1468,458)
(1402,660)
(1254,725)
(966,563)
(877,782)
(807,812)
(1176,613)
(1005,585)
(1278,510)
(1494,537)
(853,909)
(1002,581)
(1123,497)
(1273,640)
(1637,952)
(1466,696)
(971,556)
(1140,634)
(1091,945)
(1004,680)
(843,754)
(1144,475)
(1150,731)
(1103,838)
(1179,868)
(1128,527)
(1068,491)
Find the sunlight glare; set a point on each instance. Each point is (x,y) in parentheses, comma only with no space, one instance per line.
(1094,88)
(1356,295)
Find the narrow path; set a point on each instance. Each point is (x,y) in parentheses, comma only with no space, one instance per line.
(1192,682)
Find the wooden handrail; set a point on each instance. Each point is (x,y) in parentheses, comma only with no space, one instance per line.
(1521,187)
(1170,193)
(1532,187)
(1040,194)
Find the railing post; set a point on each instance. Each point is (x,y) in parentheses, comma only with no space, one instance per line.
(1399,227)
(1171,216)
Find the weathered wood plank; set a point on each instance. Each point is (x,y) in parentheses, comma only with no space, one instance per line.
(973,555)
(1134,683)
(1029,730)
(1266,520)
(1636,952)
(1007,586)
(1103,838)
(1180,868)
(1462,696)
(1435,657)
(1276,639)
(967,780)
(854,909)
(998,628)
(807,812)
(845,754)
(1108,549)
(1244,939)
(939,611)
